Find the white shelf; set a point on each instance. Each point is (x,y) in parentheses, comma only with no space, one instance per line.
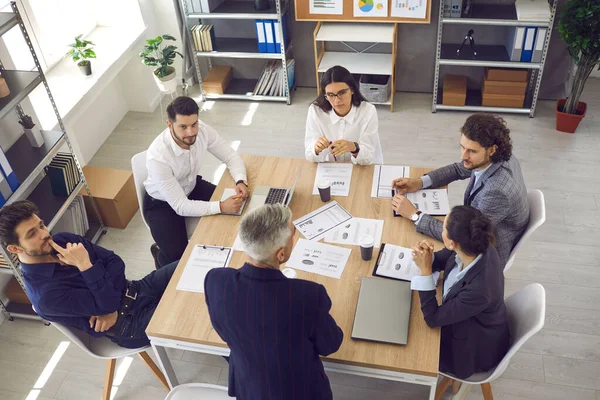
(352,32)
(358,63)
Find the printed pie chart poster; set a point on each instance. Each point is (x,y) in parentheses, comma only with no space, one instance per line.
(370,8)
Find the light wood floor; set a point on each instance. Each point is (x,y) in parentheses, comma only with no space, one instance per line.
(561,362)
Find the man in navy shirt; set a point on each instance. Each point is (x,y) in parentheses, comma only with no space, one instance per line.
(74,282)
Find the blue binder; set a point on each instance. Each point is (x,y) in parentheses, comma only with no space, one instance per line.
(528,44)
(269,35)
(278,40)
(8,172)
(260,35)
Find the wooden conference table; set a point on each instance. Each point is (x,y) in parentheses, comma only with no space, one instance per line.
(181,320)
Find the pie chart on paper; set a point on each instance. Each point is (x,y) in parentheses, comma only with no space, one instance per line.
(365,5)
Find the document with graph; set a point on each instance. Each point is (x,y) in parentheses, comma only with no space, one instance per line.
(409,8)
(430,201)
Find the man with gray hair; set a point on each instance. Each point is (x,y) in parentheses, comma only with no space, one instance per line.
(275,327)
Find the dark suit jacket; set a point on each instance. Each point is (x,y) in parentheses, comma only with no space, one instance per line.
(473,318)
(500,195)
(276,329)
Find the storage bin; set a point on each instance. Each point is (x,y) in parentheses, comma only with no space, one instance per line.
(217,79)
(502,100)
(454,91)
(376,88)
(506,74)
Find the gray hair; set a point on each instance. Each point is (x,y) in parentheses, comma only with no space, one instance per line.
(264,230)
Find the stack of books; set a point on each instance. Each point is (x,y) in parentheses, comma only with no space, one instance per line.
(204,37)
(271,81)
(63,173)
(4,262)
(74,220)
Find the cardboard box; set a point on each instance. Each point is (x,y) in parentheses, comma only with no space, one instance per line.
(114,192)
(502,100)
(15,293)
(506,74)
(504,87)
(217,79)
(454,90)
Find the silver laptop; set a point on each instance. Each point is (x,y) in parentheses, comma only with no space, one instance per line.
(383,311)
(271,195)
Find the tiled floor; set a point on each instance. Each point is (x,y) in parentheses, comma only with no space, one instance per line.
(562,362)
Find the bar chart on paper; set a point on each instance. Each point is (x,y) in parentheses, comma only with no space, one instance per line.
(409,8)
(326,7)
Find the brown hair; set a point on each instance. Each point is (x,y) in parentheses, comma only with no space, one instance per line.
(11,216)
(472,230)
(489,130)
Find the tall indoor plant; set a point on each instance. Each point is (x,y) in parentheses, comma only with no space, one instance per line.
(81,51)
(155,54)
(579,28)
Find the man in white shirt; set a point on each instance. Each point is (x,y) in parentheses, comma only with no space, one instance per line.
(174,190)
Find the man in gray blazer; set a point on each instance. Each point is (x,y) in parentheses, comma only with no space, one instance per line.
(496,185)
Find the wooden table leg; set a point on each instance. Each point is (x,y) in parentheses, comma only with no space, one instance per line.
(442,387)
(155,370)
(108,379)
(486,388)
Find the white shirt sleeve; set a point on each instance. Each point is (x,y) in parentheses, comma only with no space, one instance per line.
(422,283)
(368,140)
(313,133)
(171,190)
(426,181)
(221,149)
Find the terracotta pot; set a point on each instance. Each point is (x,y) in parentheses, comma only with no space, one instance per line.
(569,122)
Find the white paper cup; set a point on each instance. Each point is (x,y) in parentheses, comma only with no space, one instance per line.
(323,183)
(289,273)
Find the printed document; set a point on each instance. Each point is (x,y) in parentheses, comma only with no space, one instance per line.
(353,231)
(396,262)
(203,259)
(315,225)
(340,176)
(319,258)
(383,175)
(430,201)
(227,193)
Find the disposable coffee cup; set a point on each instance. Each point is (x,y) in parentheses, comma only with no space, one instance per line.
(289,273)
(366,247)
(324,187)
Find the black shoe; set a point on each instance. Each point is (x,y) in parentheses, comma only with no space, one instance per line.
(154,249)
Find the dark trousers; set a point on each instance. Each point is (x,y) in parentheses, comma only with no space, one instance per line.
(131,332)
(167,227)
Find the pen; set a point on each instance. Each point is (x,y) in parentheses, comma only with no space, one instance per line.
(334,157)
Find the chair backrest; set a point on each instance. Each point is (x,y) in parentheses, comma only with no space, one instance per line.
(204,391)
(140,174)
(526,311)
(537,217)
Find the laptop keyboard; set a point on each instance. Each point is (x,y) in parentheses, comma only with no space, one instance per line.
(276,196)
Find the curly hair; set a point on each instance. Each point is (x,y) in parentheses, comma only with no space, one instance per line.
(488,130)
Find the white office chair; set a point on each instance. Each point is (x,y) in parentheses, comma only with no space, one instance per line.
(140,174)
(104,349)
(198,391)
(526,311)
(537,217)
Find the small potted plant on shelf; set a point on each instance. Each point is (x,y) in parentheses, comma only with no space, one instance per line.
(81,51)
(35,137)
(579,28)
(155,54)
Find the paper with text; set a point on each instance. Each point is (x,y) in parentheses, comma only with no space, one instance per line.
(319,258)
(203,259)
(383,175)
(430,201)
(353,231)
(326,7)
(315,225)
(227,193)
(340,176)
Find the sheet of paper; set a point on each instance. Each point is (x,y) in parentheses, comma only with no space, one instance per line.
(353,231)
(319,258)
(315,225)
(370,8)
(396,262)
(383,175)
(202,260)
(409,8)
(431,201)
(238,245)
(227,193)
(340,176)
(326,7)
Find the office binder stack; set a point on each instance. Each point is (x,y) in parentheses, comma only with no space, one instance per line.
(4,263)
(526,44)
(271,81)
(8,179)
(63,173)
(204,37)
(267,33)
(75,219)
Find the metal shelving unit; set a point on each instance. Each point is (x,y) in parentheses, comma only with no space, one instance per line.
(238,48)
(28,163)
(494,56)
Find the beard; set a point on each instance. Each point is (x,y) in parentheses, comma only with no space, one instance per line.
(185,141)
(472,167)
(40,252)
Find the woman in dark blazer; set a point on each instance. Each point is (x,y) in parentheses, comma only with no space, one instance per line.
(472,315)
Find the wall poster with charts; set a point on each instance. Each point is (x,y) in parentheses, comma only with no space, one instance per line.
(370,8)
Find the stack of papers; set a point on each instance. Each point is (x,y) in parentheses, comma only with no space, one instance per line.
(74,220)
(317,224)
(383,175)
(203,259)
(339,175)
(396,262)
(532,10)
(351,232)
(319,258)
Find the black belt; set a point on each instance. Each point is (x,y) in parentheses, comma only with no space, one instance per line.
(129,297)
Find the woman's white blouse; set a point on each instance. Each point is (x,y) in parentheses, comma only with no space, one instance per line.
(359,125)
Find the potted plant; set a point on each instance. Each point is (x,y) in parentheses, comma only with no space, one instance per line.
(155,54)
(579,28)
(81,51)
(35,137)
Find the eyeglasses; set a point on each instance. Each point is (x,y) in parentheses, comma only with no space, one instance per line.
(339,95)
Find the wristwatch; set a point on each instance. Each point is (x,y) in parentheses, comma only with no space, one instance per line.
(241,181)
(415,217)
(357,148)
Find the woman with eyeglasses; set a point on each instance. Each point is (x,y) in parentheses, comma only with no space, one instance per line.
(341,125)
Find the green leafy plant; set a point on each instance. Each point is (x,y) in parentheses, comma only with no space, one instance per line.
(81,51)
(156,54)
(579,28)
(27,122)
